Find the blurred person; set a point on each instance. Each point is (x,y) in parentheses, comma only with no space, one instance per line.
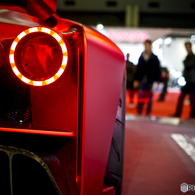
(131,69)
(164,80)
(189,87)
(148,71)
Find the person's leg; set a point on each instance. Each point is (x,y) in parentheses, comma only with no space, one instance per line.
(192,105)
(149,107)
(131,94)
(192,100)
(184,91)
(163,93)
(180,104)
(140,104)
(149,98)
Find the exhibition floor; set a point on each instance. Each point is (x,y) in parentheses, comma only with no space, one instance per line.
(158,158)
(159,152)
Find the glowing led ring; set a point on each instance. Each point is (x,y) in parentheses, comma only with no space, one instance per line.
(61,44)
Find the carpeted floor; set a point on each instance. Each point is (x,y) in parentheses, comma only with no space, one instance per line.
(154,163)
(161,109)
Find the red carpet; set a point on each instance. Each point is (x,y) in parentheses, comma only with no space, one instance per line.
(161,109)
(154,164)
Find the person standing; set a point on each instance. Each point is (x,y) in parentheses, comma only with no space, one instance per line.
(131,69)
(148,71)
(189,87)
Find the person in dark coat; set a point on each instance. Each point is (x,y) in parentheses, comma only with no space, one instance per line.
(131,69)
(148,71)
(189,87)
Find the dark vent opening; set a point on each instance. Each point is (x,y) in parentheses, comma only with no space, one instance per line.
(15,97)
(29,177)
(69,3)
(4,174)
(154,4)
(111,3)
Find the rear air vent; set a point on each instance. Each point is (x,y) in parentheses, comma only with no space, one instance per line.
(29,174)
(4,174)
(15,97)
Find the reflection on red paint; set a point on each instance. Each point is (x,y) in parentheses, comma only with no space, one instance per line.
(38,132)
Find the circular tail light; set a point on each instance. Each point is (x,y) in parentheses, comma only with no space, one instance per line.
(38,56)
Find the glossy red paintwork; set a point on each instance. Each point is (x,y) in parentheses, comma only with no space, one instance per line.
(82,104)
(104,70)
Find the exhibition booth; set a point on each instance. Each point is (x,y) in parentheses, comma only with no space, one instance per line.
(168,45)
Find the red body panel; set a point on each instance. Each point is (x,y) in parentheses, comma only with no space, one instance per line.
(104,70)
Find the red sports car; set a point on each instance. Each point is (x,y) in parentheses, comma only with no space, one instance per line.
(62,104)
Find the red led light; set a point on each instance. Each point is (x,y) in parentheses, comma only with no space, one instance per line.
(33,68)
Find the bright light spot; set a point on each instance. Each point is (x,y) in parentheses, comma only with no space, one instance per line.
(192,39)
(37,83)
(168,40)
(156,44)
(59,73)
(100,26)
(11,58)
(57,37)
(14,45)
(63,47)
(175,73)
(46,30)
(35,29)
(181,81)
(64,61)
(22,34)
(16,71)
(51,80)
(24,79)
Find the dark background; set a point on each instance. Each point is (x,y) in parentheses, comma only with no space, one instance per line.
(152,13)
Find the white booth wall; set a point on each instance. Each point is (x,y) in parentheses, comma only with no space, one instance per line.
(170,56)
(130,40)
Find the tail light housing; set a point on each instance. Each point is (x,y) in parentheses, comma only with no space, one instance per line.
(38,56)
